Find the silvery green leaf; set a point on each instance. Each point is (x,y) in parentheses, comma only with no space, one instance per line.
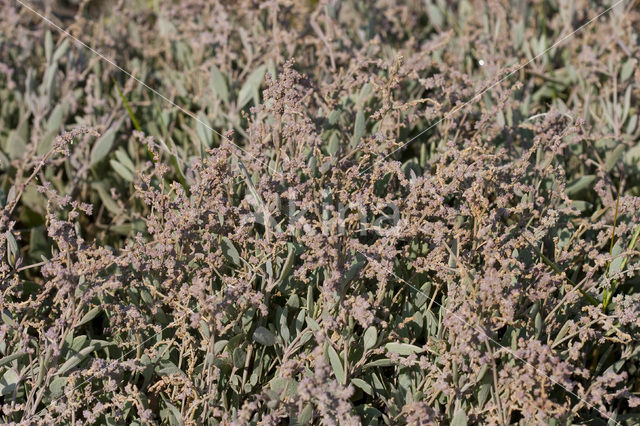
(313,325)
(334,144)
(105,197)
(48,46)
(384,362)
(435,15)
(56,386)
(104,144)
(167,368)
(518,34)
(61,50)
(618,259)
(239,357)
(285,387)
(538,324)
(632,123)
(365,91)
(17,143)
(483,394)
(612,157)
(50,80)
(403,348)
(4,162)
(283,327)
(122,157)
(8,382)
(288,264)
(370,338)
(579,184)
(251,86)
(482,372)
(362,385)
(229,251)
(271,68)
(336,364)
(12,248)
(626,104)
(219,84)
(306,414)
(7,318)
(173,415)
(122,170)
(78,343)
(459,418)
(89,316)
(627,69)
(333,117)
(358,130)
(263,336)
(16,355)
(204,133)
(55,118)
(75,360)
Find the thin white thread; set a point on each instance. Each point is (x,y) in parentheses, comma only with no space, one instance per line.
(483,91)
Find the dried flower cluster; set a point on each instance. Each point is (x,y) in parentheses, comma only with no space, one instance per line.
(347,234)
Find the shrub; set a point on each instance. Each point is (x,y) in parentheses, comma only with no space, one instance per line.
(378,212)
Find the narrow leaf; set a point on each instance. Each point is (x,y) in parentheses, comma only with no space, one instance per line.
(403,348)
(250,88)
(75,360)
(104,144)
(219,84)
(336,364)
(122,171)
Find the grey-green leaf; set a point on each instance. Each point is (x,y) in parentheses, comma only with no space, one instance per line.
(459,418)
(219,84)
(203,129)
(7,359)
(250,88)
(263,336)
(334,144)
(125,160)
(403,348)
(106,199)
(370,338)
(334,359)
(627,69)
(121,170)
(363,385)
(288,264)
(579,184)
(229,251)
(358,130)
(104,144)
(57,386)
(48,46)
(12,247)
(75,360)
(616,264)
(613,157)
(8,382)
(89,316)
(61,50)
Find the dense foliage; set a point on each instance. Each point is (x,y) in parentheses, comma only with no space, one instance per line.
(392,212)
